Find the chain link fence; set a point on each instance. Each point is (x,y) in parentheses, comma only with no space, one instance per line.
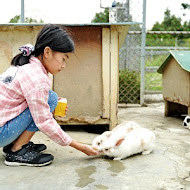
(129,74)
(130,53)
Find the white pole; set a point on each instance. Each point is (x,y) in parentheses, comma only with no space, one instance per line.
(22,12)
(143,44)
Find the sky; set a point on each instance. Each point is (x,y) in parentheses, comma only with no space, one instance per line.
(83,11)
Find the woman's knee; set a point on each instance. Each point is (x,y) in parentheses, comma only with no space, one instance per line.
(52,100)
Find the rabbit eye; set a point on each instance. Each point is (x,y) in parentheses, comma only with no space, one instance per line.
(106,149)
(98,143)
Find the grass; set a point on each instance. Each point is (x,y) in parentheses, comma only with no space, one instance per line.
(155,60)
(153,81)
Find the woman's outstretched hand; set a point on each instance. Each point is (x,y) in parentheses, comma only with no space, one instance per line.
(88,150)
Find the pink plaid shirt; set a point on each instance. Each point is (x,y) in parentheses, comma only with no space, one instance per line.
(28,86)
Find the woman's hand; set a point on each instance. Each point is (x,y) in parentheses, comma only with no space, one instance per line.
(88,150)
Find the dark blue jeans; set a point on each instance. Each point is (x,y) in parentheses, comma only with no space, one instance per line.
(15,127)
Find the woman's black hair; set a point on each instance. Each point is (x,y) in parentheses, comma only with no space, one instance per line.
(54,36)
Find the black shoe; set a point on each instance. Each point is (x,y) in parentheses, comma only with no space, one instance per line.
(27,157)
(36,147)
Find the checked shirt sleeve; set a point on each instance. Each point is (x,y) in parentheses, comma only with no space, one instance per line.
(38,104)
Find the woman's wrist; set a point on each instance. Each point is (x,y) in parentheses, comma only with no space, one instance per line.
(76,145)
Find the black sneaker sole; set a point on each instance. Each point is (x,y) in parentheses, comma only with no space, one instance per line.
(26,164)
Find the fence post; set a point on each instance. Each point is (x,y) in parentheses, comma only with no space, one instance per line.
(143,44)
(22,12)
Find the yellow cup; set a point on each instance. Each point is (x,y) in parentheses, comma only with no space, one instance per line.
(61,107)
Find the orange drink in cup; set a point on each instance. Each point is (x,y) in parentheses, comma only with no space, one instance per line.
(61,107)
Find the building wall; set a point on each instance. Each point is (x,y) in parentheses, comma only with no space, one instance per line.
(11,38)
(81,81)
(176,83)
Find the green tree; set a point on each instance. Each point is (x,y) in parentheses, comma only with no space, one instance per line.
(185,6)
(102,17)
(170,23)
(186,23)
(16,19)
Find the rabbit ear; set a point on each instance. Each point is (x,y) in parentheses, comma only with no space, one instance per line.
(118,143)
(107,133)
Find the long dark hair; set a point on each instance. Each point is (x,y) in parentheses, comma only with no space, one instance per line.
(54,36)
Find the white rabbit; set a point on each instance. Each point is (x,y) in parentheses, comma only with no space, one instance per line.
(122,130)
(128,125)
(139,140)
(100,139)
(118,132)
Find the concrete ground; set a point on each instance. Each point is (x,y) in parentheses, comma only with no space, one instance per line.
(167,168)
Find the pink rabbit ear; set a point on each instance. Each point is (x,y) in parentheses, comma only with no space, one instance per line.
(118,143)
